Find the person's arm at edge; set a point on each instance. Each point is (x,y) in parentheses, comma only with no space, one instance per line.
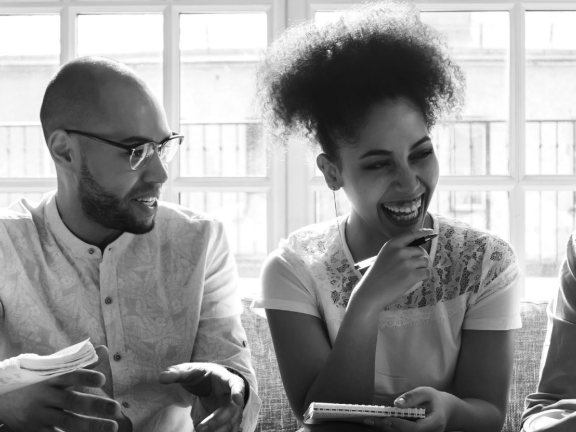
(557,381)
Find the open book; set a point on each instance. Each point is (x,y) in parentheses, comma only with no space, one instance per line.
(319,412)
(28,369)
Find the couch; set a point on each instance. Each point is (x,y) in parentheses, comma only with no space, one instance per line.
(276,416)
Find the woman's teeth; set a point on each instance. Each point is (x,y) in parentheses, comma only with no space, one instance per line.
(404,210)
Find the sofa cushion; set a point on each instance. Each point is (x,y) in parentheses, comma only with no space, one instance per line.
(527,353)
(276,415)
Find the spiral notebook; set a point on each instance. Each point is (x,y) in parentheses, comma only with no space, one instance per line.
(319,412)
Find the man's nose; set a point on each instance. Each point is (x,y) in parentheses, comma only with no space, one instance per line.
(156,171)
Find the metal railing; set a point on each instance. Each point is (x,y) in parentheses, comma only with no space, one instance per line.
(470,147)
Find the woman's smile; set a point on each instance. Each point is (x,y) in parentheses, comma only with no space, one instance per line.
(403,213)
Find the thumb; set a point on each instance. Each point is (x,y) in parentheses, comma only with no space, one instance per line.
(102,352)
(182,373)
(413,398)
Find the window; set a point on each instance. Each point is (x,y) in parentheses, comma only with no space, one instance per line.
(508,164)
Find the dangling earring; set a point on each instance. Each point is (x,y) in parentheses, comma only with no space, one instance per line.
(336,210)
(334,197)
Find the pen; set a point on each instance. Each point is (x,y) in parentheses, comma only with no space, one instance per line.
(364,265)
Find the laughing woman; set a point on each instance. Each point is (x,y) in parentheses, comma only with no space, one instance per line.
(427,326)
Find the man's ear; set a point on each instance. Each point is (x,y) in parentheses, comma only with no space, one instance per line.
(330,170)
(61,149)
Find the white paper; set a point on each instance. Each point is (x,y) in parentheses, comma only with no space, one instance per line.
(28,369)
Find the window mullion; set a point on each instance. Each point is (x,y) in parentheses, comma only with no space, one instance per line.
(67,34)
(171,93)
(517,134)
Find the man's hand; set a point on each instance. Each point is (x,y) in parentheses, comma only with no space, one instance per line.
(54,404)
(220,392)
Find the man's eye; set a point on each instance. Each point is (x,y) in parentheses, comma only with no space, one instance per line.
(138,152)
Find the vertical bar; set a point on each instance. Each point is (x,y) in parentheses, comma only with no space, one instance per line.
(471,147)
(220,150)
(517,132)
(557,149)
(171,89)
(539,147)
(487,130)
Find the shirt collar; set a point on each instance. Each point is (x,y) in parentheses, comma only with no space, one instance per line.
(77,246)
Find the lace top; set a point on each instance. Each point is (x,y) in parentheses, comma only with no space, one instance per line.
(473,286)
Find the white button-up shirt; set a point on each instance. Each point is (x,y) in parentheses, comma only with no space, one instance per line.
(155,300)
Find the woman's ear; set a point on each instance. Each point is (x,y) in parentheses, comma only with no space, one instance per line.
(61,149)
(330,170)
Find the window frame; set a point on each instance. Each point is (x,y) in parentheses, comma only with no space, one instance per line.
(290,181)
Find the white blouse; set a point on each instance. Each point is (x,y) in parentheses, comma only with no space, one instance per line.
(473,287)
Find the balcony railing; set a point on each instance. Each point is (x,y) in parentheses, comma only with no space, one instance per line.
(471,147)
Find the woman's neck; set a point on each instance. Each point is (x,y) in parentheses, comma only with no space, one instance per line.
(364,241)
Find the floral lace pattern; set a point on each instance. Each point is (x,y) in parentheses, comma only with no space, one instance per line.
(467,261)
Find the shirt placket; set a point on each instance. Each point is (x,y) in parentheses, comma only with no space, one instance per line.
(110,303)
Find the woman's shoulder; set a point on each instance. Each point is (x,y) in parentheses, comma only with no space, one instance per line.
(312,240)
(458,235)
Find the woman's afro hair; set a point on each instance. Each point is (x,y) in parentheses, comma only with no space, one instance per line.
(320,82)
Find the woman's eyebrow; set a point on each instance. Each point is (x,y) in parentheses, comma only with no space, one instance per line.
(388,153)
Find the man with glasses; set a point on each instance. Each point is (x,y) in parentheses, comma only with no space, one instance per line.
(152,284)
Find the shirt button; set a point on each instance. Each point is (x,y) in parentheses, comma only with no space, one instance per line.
(244,343)
(108,300)
(91,251)
(117,357)
(125,404)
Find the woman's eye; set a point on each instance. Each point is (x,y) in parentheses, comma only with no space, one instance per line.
(378,165)
(423,154)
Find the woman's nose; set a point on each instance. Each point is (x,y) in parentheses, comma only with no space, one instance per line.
(406,180)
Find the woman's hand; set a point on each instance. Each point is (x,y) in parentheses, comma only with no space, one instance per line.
(397,269)
(436,403)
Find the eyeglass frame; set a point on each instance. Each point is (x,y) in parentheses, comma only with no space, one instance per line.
(128,147)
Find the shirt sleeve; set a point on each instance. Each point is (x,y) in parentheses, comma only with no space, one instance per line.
(221,338)
(496,305)
(285,285)
(557,385)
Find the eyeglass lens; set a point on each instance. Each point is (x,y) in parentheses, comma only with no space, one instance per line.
(166,151)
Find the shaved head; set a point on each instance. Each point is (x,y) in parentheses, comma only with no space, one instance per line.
(77,96)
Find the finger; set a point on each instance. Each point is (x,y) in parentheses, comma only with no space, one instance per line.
(82,403)
(414,398)
(401,425)
(223,418)
(405,239)
(102,352)
(81,377)
(68,421)
(378,423)
(237,389)
(190,373)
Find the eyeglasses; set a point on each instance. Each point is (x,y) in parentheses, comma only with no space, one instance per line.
(140,154)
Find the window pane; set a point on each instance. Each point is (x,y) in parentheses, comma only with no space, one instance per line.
(478,143)
(26,65)
(550,218)
(244,215)
(550,92)
(486,210)
(219,55)
(136,40)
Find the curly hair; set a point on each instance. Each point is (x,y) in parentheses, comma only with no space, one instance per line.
(320,83)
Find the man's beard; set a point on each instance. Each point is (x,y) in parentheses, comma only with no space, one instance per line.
(106,209)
